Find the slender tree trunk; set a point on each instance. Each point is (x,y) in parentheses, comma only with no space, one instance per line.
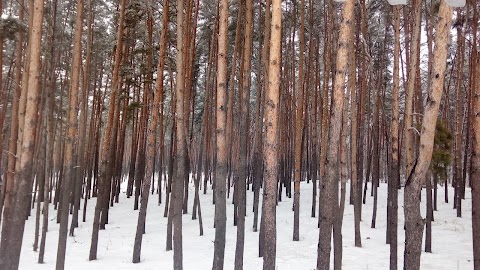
(270,143)
(181,147)
(352,83)
(82,137)
(475,160)
(429,219)
(87,171)
(171,167)
(326,86)
(376,151)
(363,77)
(394,180)
(231,94)
(49,123)
(71,158)
(140,166)
(266,63)
(410,88)
(242,167)
(258,150)
(198,176)
(327,186)
(152,126)
(413,220)
(475,177)
(298,127)
(221,172)
(160,91)
(45,199)
(40,179)
(340,209)
(459,109)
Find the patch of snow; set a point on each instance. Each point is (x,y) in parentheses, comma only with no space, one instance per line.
(451,237)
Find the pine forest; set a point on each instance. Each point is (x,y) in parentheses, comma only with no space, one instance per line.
(240,134)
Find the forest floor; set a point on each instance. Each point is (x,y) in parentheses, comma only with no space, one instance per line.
(451,237)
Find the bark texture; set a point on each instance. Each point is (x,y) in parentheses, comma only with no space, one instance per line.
(14,223)
(328,203)
(270,142)
(221,172)
(414,222)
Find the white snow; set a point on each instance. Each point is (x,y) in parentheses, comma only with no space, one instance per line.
(456,3)
(397,2)
(452,237)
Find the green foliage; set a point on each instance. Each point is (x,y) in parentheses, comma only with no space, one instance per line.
(134,13)
(131,108)
(441,157)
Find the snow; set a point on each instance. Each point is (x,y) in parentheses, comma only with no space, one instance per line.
(456,3)
(451,243)
(397,2)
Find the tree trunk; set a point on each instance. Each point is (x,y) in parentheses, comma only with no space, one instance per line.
(413,219)
(270,142)
(242,168)
(152,126)
(459,109)
(428,224)
(394,180)
(475,160)
(221,172)
(327,204)
(353,142)
(410,88)
(475,181)
(181,147)
(266,63)
(71,158)
(14,224)
(327,69)
(340,209)
(299,127)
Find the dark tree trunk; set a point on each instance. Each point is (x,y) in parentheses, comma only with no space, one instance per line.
(429,219)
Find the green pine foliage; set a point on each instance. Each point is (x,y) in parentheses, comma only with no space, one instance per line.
(441,157)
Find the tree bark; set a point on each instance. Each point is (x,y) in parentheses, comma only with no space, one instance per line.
(327,186)
(270,143)
(298,127)
(221,172)
(354,142)
(413,220)
(181,147)
(242,167)
(14,223)
(428,225)
(459,121)
(410,88)
(340,209)
(71,157)
(475,159)
(394,180)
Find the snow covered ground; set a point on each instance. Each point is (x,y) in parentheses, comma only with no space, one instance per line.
(451,245)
